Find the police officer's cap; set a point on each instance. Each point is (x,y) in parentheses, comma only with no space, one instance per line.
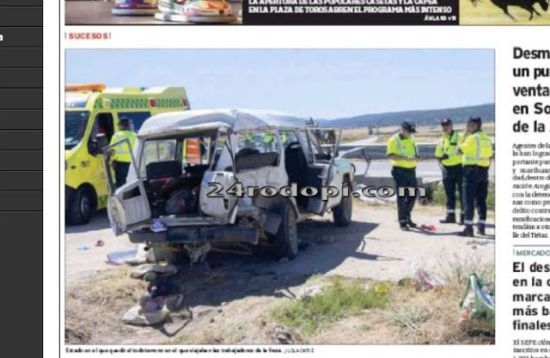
(446,122)
(124,121)
(408,126)
(476,120)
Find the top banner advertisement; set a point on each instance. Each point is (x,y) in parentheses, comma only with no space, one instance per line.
(307,12)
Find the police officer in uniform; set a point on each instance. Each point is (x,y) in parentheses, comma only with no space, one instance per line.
(402,153)
(476,151)
(268,140)
(450,161)
(122,156)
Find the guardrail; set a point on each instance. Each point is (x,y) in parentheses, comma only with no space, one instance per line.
(378,151)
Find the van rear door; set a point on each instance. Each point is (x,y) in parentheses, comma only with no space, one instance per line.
(214,200)
(128,204)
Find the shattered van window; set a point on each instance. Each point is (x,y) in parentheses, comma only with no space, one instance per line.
(263,142)
(156,151)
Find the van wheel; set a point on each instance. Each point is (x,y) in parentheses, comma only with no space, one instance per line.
(81,207)
(342,213)
(284,244)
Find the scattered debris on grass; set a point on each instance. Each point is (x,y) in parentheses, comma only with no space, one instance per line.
(321,309)
(477,302)
(427,280)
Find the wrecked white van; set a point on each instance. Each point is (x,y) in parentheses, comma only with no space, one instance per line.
(213,179)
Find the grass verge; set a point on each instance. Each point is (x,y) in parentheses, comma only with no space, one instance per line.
(346,311)
(339,299)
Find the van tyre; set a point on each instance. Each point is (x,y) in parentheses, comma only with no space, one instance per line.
(342,213)
(284,244)
(81,207)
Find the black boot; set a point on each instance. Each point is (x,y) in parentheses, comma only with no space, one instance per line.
(481,230)
(404,228)
(411,223)
(449,219)
(461,222)
(467,232)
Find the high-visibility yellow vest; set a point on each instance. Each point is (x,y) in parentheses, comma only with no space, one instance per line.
(122,152)
(284,137)
(402,146)
(268,138)
(477,149)
(448,144)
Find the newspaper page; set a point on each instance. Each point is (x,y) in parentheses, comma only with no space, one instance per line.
(291,177)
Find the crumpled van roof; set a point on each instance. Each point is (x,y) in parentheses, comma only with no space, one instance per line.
(236,119)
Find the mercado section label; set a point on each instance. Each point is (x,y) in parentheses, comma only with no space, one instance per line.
(350,12)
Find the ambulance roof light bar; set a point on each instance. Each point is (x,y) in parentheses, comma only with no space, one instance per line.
(90,87)
(161,90)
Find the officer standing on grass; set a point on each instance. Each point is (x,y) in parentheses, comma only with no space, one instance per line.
(450,161)
(122,156)
(402,153)
(476,151)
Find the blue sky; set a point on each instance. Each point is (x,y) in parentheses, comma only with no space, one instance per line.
(318,83)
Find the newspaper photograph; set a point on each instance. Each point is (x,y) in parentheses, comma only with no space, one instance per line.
(362,178)
(369,229)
